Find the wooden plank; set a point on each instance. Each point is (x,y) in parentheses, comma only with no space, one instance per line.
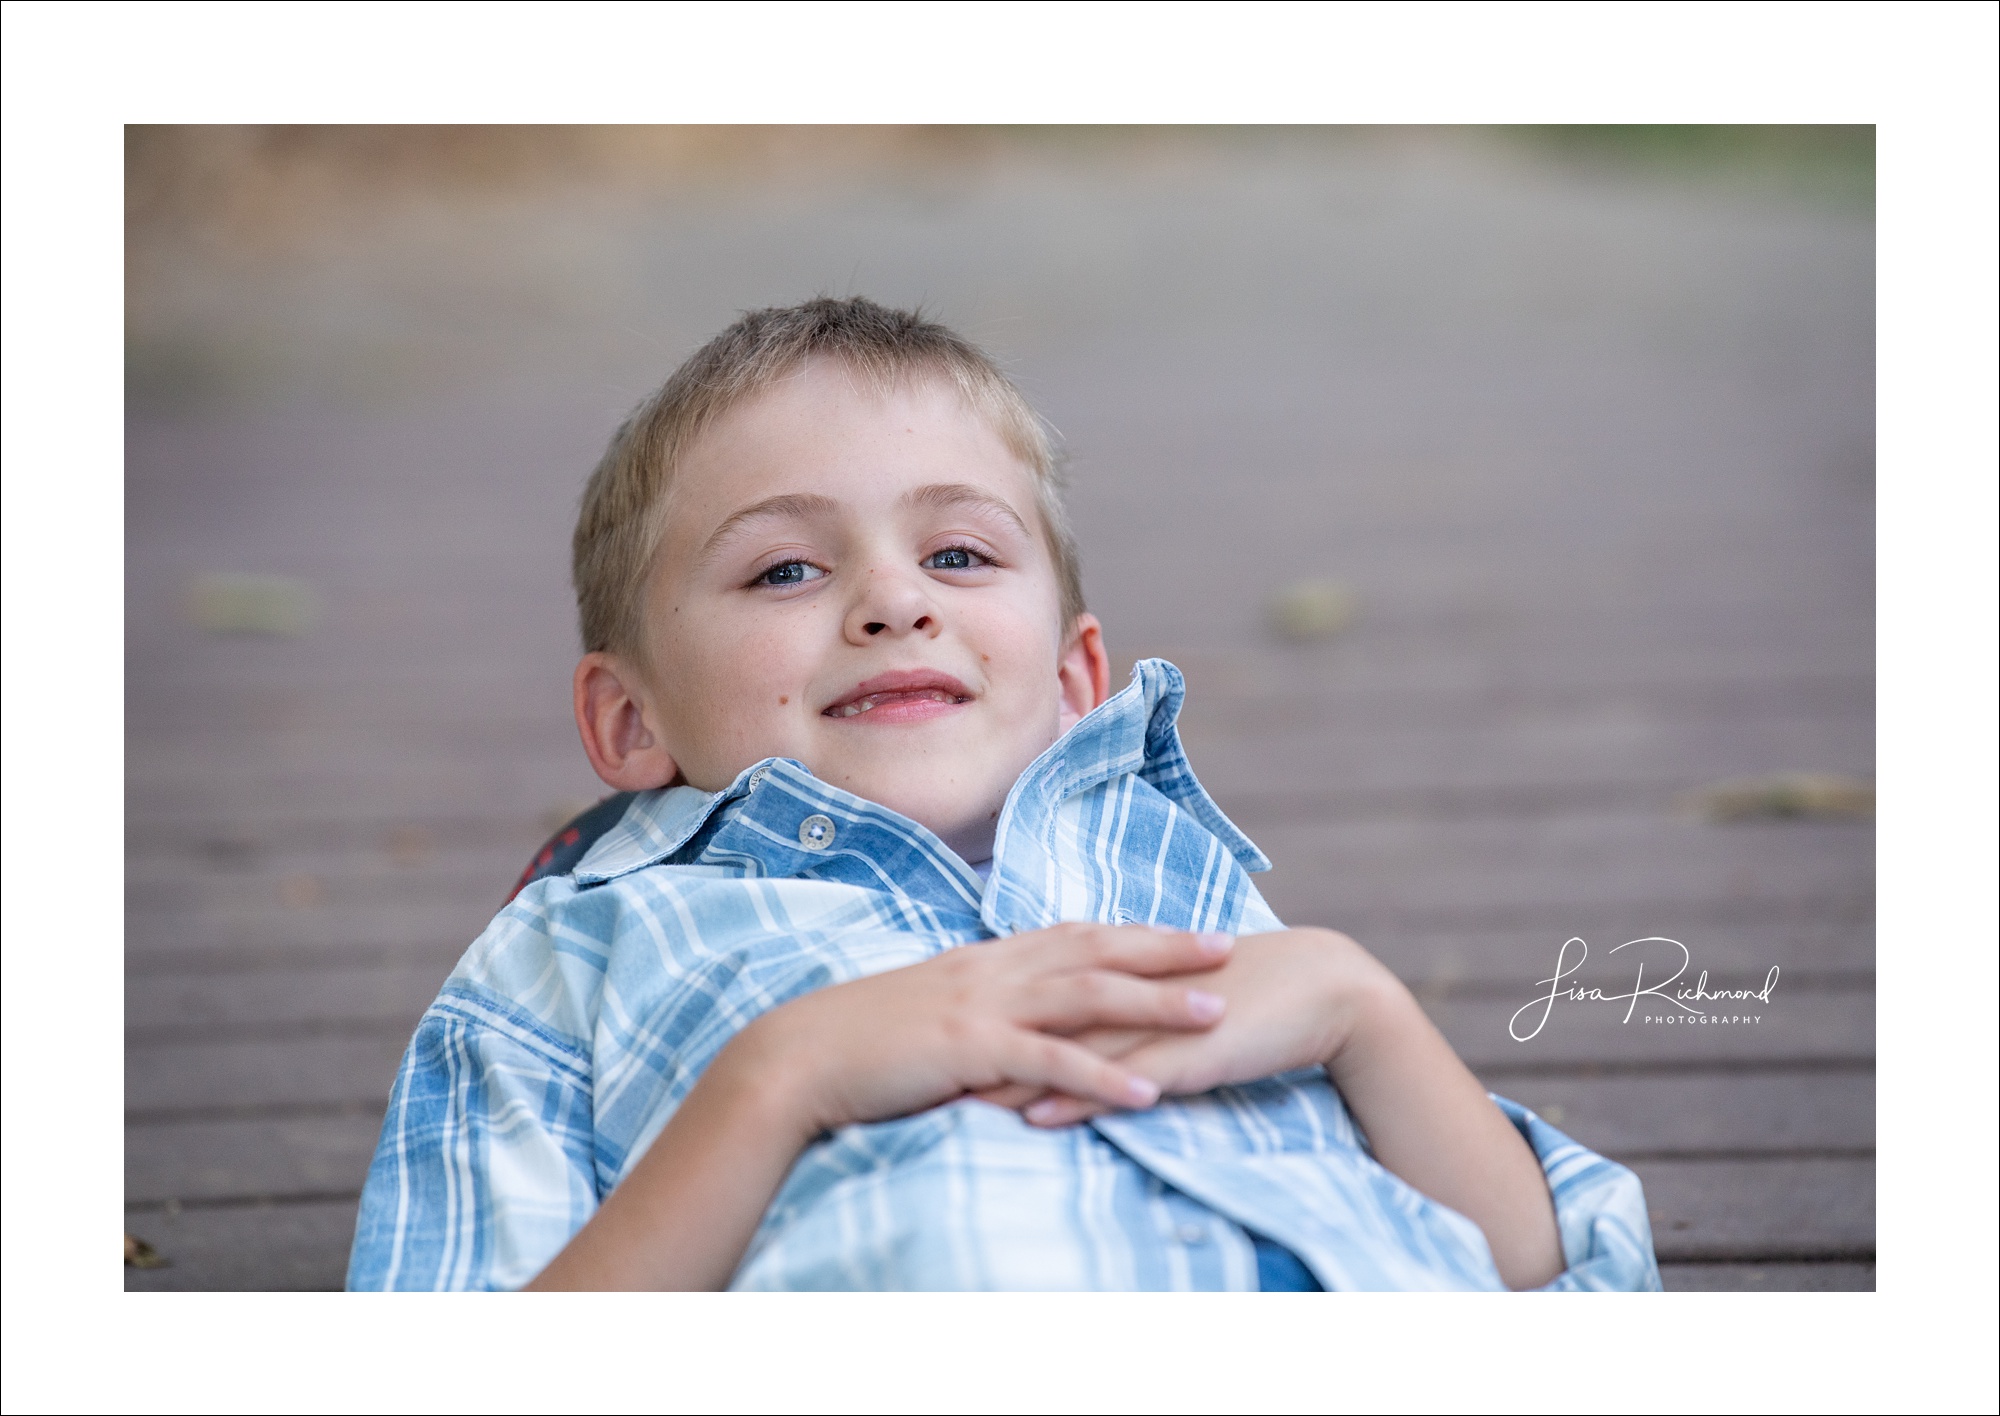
(276,1248)
(1445,672)
(1768,1278)
(1542,752)
(355,885)
(212,1003)
(1509,866)
(440,958)
(415,926)
(521,788)
(248,840)
(1713,1114)
(1312,800)
(248,1159)
(306,1069)
(1761,1211)
(1254,690)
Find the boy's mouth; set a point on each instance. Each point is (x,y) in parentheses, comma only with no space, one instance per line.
(902,697)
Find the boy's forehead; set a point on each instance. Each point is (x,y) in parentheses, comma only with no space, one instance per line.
(825,432)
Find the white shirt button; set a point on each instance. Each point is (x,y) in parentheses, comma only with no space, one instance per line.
(1192,1234)
(816,832)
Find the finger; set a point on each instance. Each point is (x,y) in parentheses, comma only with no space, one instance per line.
(1128,948)
(1011,1095)
(1060,1065)
(1100,998)
(1181,1064)
(1115,1043)
(1152,953)
(1057,1109)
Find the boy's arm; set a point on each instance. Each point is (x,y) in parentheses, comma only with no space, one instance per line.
(878,1047)
(685,1214)
(1429,1120)
(1305,996)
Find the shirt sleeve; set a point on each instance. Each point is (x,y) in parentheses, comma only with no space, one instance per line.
(485,1166)
(1607,1238)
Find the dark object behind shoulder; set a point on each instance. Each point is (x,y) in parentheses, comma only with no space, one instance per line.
(561,853)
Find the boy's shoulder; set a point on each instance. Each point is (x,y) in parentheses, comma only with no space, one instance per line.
(651,894)
(664,944)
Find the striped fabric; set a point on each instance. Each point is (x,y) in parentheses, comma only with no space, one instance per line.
(578,1021)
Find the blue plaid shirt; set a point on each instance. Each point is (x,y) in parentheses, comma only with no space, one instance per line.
(578,1021)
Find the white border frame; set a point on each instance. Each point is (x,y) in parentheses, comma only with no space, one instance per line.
(1924,72)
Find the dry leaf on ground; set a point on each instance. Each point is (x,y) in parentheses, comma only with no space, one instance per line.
(1782,794)
(1309,610)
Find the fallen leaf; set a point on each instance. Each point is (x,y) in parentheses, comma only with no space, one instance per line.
(141,1255)
(1310,610)
(251,604)
(1781,795)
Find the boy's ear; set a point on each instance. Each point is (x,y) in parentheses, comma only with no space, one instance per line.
(1084,671)
(612,717)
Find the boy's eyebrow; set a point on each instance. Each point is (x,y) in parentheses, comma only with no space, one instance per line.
(800,505)
(942,496)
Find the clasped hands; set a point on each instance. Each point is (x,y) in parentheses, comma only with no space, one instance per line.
(1064,1023)
(1067,1022)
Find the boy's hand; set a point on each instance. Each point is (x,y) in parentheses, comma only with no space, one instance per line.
(983,1017)
(1293,997)
(988,1015)
(1306,996)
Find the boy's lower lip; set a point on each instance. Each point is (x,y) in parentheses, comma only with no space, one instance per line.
(914,706)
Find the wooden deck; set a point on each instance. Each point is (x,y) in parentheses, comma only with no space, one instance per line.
(1594,454)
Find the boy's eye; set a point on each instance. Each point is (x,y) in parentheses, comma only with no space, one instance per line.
(790,573)
(955,558)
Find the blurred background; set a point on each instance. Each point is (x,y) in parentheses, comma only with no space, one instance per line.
(1505,494)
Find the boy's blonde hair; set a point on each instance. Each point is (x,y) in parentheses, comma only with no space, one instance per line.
(619,526)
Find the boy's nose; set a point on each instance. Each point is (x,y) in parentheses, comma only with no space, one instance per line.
(891,605)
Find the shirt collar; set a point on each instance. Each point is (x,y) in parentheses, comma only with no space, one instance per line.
(1134,731)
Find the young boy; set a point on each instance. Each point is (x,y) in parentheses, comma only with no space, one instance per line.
(917,960)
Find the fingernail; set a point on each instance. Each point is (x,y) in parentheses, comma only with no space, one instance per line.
(1041,1111)
(1204,1007)
(1214,942)
(1141,1091)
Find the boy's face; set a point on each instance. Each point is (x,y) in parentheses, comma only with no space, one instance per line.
(861,581)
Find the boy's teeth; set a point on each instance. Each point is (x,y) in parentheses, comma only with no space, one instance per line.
(862,705)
